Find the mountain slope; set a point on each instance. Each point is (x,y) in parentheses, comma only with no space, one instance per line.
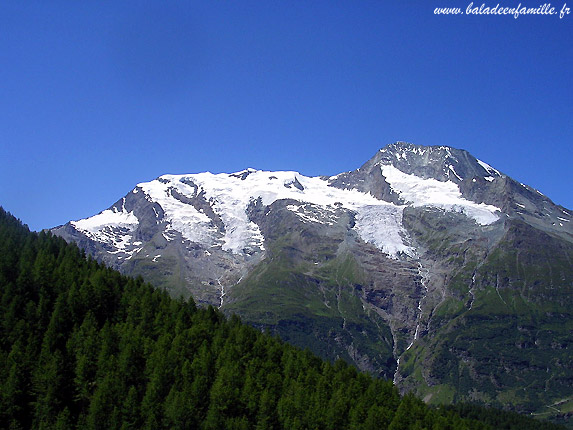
(82,346)
(382,266)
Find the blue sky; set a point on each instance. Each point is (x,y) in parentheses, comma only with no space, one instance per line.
(96,96)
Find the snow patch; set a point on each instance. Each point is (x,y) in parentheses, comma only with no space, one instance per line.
(488,168)
(182,217)
(111,226)
(431,192)
(307,213)
(454,171)
(381,225)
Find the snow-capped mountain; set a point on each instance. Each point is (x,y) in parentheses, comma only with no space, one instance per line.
(375,265)
(226,224)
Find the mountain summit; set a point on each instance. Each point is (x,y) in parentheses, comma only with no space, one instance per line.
(425,265)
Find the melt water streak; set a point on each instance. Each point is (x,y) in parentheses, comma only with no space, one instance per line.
(424,274)
(395,379)
(471,292)
(221,297)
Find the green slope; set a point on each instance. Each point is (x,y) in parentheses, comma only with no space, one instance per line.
(513,347)
(316,307)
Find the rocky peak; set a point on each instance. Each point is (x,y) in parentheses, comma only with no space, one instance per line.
(442,163)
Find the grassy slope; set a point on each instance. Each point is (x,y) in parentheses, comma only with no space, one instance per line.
(513,346)
(315,306)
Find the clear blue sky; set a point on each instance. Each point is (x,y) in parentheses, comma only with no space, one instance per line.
(96,96)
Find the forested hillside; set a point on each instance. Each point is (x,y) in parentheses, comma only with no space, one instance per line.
(84,347)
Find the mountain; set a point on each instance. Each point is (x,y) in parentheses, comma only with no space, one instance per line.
(83,347)
(424,265)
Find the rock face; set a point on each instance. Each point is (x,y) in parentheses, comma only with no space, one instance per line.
(424,265)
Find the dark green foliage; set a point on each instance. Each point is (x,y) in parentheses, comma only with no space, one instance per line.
(84,347)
